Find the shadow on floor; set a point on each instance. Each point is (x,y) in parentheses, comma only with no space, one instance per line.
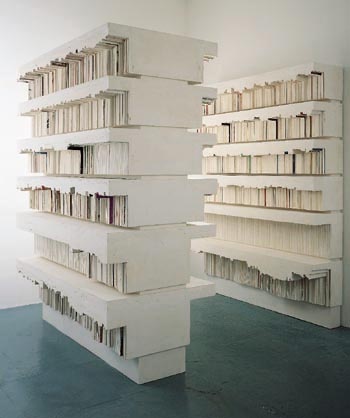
(243,362)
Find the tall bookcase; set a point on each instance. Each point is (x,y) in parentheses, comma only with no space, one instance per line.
(279,164)
(113,209)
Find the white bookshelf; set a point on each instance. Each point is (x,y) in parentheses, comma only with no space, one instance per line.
(123,291)
(281,265)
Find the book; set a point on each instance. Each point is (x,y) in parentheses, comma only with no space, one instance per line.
(315,290)
(112,274)
(304,88)
(298,162)
(110,210)
(108,57)
(269,197)
(110,158)
(112,338)
(306,239)
(101,111)
(272,129)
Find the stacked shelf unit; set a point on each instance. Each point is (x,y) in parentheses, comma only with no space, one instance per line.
(113,210)
(278,210)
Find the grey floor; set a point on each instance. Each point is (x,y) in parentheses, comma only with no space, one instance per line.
(243,362)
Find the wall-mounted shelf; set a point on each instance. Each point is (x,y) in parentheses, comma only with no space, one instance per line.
(331,115)
(279,205)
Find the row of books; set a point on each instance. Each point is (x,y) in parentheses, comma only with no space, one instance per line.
(88,264)
(313,240)
(112,338)
(304,88)
(107,58)
(55,162)
(300,126)
(299,288)
(300,162)
(269,197)
(104,111)
(110,158)
(110,210)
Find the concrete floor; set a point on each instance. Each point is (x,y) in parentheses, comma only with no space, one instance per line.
(243,362)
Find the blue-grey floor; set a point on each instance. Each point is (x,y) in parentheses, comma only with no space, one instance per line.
(243,362)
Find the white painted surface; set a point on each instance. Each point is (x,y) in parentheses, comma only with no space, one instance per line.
(265,35)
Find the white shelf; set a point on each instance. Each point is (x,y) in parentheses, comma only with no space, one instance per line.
(331,115)
(147,317)
(152,254)
(149,201)
(134,136)
(319,315)
(276,215)
(334,219)
(149,52)
(277,264)
(142,143)
(151,101)
(333,76)
(330,186)
(333,149)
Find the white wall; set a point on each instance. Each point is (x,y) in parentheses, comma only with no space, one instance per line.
(29,28)
(261,35)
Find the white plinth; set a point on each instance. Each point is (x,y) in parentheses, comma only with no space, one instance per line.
(140,370)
